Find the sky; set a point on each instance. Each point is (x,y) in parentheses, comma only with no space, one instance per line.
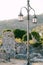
(9,9)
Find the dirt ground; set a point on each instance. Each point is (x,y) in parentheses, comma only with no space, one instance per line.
(18,62)
(14,62)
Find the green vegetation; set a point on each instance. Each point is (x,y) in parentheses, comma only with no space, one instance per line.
(21,36)
(37,44)
(25,37)
(7,30)
(36,35)
(19,33)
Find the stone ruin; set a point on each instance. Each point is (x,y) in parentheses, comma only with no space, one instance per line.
(8,42)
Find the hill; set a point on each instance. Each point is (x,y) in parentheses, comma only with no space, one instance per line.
(14,23)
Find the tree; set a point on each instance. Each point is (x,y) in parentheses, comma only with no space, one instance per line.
(36,35)
(25,37)
(37,44)
(7,30)
(19,33)
(38,39)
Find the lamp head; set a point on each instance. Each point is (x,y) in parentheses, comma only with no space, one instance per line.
(20,17)
(34,19)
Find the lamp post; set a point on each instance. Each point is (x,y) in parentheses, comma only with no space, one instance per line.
(28,8)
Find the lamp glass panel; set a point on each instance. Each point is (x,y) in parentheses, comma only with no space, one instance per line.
(20,18)
(34,20)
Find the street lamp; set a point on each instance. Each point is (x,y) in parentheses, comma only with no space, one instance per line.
(28,8)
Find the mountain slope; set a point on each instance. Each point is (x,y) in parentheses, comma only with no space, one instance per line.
(14,23)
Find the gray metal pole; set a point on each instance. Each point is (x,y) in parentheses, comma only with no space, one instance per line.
(28,58)
(28,44)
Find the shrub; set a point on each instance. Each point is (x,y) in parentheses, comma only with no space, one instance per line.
(25,37)
(18,33)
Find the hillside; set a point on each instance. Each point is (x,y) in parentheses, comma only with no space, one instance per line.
(14,23)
